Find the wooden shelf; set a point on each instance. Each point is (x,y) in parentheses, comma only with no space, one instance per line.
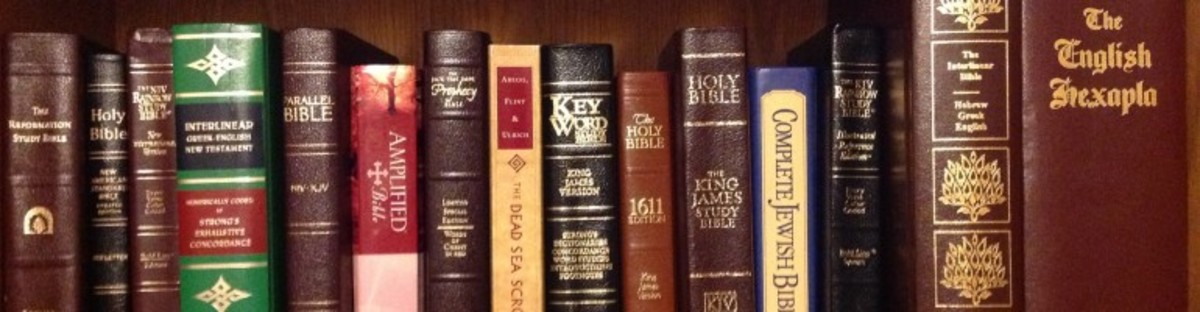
(638,29)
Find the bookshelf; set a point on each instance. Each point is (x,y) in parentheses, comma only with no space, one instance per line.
(638,29)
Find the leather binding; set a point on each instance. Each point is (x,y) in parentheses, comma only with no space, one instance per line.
(786,128)
(647,200)
(712,152)
(966,158)
(853,265)
(107,176)
(316,120)
(154,235)
(456,176)
(515,140)
(44,165)
(227,183)
(1106,198)
(578,110)
(386,272)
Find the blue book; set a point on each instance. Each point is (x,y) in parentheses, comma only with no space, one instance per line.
(785,133)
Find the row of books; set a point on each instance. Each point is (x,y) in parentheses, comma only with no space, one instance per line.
(546,181)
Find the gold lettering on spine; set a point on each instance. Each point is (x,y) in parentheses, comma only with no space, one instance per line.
(1073,55)
(784,200)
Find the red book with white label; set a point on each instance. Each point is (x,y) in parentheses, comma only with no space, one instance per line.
(384,129)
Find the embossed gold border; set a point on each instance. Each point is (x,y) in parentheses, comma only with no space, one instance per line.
(1007,186)
(933,22)
(936,286)
(933,64)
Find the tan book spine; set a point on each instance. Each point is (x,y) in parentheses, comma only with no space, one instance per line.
(516,171)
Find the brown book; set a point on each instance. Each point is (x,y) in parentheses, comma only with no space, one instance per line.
(154,236)
(44,162)
(316,136)
(456,171)
(1105,178)
(647,202)
(107,235)
(712,151)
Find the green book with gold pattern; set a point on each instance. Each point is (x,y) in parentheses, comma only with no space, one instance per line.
(227,193)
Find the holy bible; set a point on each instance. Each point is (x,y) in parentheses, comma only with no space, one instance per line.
(107,176)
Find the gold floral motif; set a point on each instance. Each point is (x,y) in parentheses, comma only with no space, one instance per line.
(974,268)
(971,12)
(972,184)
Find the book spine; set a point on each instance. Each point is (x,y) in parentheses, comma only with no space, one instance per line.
(966,156)
(456,176)
(581,179)
(44,191)
(316,112)
(386,272)
(154,245)
(107,170)
(1105,151)
(854,189)
(785,136)
(518,276)
(647,201)
(227,187)
(712,145)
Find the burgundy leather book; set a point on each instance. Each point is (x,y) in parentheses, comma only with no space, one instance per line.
(966,156)
(316,137)
(1105,160)
(454,146)
(712,148)
(44,162)
(106,208)
(154,235)
(647,202)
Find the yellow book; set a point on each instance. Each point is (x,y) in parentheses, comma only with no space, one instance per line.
(518,266)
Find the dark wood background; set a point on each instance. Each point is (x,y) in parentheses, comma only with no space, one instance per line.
(638,29)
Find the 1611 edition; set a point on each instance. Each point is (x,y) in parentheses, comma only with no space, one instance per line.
(226,180)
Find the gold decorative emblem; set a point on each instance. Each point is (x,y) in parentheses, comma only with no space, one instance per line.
(970,12)
(516,163)
(974,268)
(38,221)
(720,301)
(972,184)
(221,295)
(216,64)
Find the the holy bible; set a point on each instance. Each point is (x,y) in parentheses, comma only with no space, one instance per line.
(107,179)
(154,231)
(227,183)
(44,166)
(786,144)
(316,135)
(712,154)
(515,135)
(647,199)
(578,110)
(386,272)
(455,125)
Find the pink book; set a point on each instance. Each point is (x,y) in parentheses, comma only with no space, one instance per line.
(386,269)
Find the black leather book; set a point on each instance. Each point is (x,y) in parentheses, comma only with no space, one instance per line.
(456,171)
(852,224)
(107,176)
(582,272)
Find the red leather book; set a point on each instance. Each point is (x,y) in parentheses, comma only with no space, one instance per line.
(44,161)
(1105,161)
(154,236)
(384,131)
(316,133)
(712,151)
(966,156)
(647,202)
(455,125)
